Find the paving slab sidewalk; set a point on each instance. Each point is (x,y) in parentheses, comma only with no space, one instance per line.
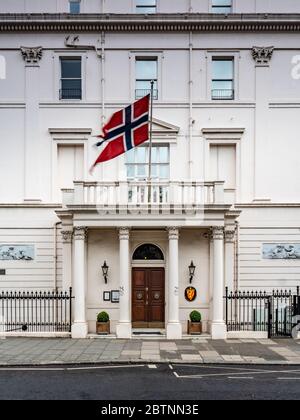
(49,351)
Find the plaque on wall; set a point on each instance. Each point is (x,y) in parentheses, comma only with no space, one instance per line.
(16,252)
(106,296)
(115,296)
(190,294)
(281,251)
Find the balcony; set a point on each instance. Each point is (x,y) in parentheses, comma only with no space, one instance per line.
(222,94)
(155,204)
(180,194)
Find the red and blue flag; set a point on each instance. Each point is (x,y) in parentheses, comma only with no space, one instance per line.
(127,128)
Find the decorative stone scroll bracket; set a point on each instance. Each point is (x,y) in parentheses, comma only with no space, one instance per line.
(262,55)
(32,55)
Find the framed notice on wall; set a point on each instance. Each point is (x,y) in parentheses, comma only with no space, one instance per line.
(106,296)
(115,296)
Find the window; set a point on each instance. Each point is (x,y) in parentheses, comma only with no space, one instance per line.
(145,71)
(146,6)
(222,78)
(74,6)
(148,252)
(222,6)
(70,161)
(138,163)
(70,78)
(223,164)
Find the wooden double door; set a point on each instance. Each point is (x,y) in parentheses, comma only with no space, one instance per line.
(148,297)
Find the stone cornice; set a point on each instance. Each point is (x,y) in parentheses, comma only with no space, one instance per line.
(149,23)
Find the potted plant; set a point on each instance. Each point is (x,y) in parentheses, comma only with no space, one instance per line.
(195,324)
(103,323)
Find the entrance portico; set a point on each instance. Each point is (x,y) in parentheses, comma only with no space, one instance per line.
(112,234)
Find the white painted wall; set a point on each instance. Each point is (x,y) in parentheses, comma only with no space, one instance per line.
(34,226)
(261,225)
(280,126)
(268,157)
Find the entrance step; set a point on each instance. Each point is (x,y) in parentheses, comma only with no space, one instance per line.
(147,333)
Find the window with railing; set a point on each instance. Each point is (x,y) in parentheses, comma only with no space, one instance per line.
(146,6)
(71,78)
(137,163)
(222,78)
(138,170)
(146,70)
(74,6)
(221,6)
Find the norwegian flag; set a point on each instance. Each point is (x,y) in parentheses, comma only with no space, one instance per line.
(125,130)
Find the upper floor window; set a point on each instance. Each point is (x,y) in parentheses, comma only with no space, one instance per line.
(222,78)
(74,6)
(137,163)
(146,69)
(71,80)
(146,6)
(221,6)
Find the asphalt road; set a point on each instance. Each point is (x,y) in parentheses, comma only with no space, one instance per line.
(151,382)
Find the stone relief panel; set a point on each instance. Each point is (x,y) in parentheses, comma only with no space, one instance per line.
(281,251)
(16,252)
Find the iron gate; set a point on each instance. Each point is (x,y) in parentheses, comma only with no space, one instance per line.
(277,313)
(280,314)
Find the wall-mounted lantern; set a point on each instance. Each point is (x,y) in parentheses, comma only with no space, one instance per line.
(192,269)
(105,268)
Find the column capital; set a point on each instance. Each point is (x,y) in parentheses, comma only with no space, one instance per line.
(32,55)
(67,236)
(80,233)
(173,233)
(262,55)
(230,235)
(217,233)
(124,233)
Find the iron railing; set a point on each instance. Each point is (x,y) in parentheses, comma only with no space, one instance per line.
(246,311)
(36,311)
(261,311)
(222,94)
(70,94)
(140,93)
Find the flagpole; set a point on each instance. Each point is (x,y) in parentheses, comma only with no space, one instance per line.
(150,142)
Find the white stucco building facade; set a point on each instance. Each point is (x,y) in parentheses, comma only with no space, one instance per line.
(225,189)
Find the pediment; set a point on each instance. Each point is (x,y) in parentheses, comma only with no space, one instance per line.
(163,128)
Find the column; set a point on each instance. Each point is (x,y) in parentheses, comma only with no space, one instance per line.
(218,327)
(67,236)
(32,57)
(230,257)
(174,328)
(123,329)
(80,326)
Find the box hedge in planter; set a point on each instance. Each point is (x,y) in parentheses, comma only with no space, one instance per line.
(195,324)
(103,323)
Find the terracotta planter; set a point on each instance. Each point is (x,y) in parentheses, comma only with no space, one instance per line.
(103,327)
(194,327)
